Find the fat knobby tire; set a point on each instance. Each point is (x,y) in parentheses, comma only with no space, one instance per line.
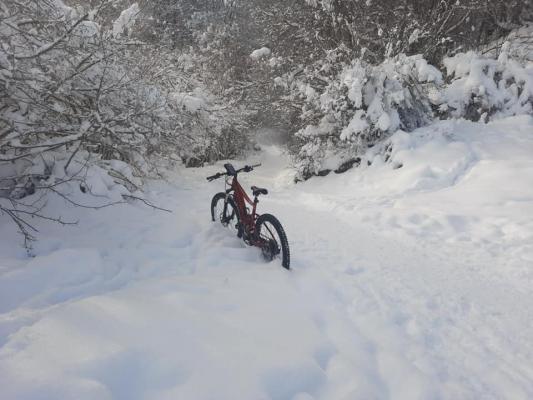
(285,252)
(214,201)
(230,203)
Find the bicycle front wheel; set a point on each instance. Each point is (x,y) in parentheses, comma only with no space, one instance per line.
(224,210)
(273,240)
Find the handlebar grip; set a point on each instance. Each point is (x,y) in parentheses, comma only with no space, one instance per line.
(213,177)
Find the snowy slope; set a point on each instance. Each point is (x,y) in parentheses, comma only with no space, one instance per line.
(407,283)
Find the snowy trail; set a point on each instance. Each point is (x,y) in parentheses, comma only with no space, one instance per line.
(169,306)
(432,329)
(437,320)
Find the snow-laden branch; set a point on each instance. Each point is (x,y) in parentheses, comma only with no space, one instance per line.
(50,46)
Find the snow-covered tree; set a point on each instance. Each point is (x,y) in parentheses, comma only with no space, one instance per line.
(434,28)
(76,93)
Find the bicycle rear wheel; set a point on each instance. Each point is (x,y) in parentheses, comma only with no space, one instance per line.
(273,240)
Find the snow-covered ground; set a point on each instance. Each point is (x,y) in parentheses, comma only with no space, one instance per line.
(407,283)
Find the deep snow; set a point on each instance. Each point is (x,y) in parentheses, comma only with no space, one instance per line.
(407,283)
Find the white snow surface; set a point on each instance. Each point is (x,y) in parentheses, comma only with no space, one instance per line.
(504,84)
(125,20)
(411,278)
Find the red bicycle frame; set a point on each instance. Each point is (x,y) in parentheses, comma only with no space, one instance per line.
(241,198)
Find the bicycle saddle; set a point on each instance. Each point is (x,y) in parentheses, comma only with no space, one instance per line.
(257,191)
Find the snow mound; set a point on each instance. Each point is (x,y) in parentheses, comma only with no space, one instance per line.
(258,54)
(452,181)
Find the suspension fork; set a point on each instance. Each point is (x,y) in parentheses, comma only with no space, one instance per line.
(228,192)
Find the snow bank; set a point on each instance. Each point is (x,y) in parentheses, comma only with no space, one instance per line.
(85,179)
(453,181)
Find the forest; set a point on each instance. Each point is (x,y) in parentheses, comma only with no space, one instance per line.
(126,90)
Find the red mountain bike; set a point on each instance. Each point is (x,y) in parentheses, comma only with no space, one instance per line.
(263,231)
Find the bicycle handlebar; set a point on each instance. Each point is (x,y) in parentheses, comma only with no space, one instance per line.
(246,168)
